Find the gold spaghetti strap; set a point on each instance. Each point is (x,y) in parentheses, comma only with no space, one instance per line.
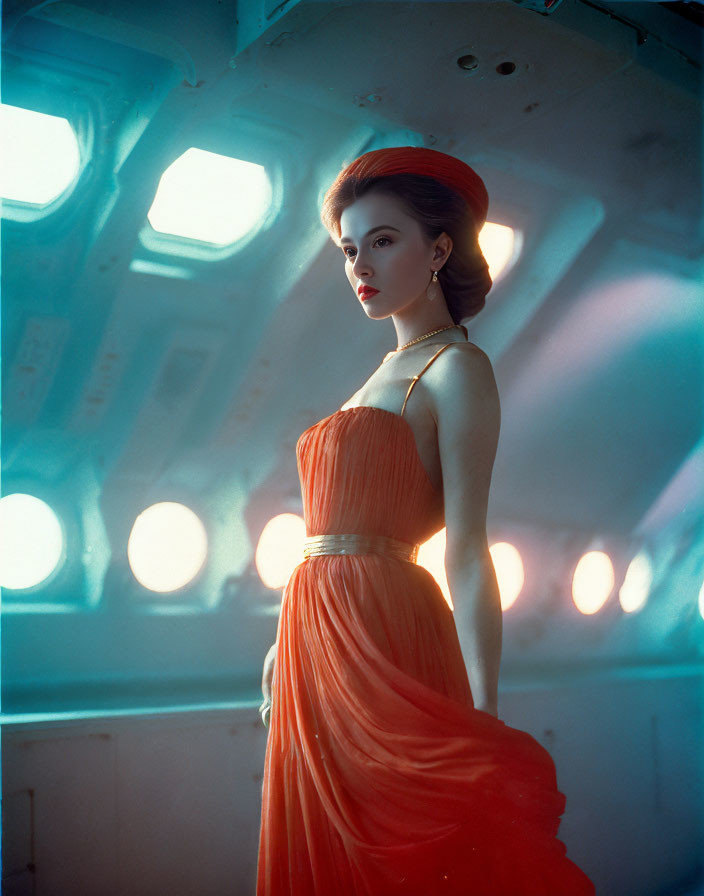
(419,375)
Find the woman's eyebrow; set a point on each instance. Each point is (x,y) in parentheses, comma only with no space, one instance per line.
(346,239)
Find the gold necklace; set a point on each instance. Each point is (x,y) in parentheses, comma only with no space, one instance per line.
(419,339)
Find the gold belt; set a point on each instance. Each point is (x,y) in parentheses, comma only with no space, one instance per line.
(315,545)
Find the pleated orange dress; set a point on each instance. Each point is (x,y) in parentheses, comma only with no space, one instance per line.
(380,776)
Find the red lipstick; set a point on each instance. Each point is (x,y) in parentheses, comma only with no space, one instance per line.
(366,292)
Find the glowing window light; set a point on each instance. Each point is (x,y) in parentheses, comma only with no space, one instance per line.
(167,546)
(39,155)
(500,245)
(31,541)
(208,197)
(593,582)
(431,556)
(701,601)
(280,549)
(636,584)
(509,572)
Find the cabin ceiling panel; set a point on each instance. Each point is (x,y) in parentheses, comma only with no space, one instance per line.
(609,384)
(573,104)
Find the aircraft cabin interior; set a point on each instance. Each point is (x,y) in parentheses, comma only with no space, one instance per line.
(175,316)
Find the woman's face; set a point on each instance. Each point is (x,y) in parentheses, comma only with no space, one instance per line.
(394,257)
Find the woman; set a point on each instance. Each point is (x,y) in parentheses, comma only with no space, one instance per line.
(387,769)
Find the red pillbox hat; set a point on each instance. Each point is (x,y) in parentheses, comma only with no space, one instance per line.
(442,167)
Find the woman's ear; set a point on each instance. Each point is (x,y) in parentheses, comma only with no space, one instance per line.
(443,248)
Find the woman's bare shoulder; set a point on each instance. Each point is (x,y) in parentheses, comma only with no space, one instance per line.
(468,418)
(464,378)
(465,349)
(464,355)
(463,367)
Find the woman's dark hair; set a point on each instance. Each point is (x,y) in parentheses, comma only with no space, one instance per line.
(464,277)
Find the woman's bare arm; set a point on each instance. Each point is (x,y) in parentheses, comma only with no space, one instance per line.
(468,416)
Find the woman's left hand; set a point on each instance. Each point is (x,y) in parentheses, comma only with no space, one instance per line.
(265,710)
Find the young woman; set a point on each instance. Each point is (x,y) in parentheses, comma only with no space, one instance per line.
(387,769)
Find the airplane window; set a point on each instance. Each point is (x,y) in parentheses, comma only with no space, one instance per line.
(501,246)
(431,555)
(509,572)
(592,582)
(167,546)
(31,542)
(210,198)
(39,156)
(280,549)
(636,584)
(507,565)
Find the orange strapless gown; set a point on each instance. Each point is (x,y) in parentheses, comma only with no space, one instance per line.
(380,777)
